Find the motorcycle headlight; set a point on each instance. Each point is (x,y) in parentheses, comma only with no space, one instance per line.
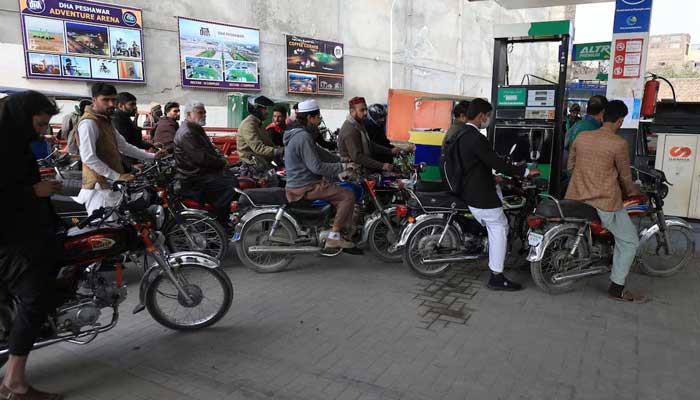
(157,212)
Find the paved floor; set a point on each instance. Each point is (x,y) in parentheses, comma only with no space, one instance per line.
(354,328)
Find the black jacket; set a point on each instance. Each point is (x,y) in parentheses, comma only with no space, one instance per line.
(27,218)
(194,152)
(126,127)
(377,134)
(478,160)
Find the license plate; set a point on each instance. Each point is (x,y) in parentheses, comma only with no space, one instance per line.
(534,239)
(236,237)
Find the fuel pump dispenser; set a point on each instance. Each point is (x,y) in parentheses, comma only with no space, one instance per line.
(531,116)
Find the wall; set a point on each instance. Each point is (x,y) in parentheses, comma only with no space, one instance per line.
(668,50)
(443,46)
(687,89)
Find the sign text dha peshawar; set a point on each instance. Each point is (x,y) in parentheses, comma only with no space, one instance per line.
(96,14)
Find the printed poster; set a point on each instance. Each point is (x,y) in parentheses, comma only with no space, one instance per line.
(314,66)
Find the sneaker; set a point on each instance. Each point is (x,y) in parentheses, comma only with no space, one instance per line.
(339,244)
(500,282)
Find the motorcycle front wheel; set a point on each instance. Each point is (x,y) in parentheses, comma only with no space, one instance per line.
(652,258)
(423,244)
(381,239)
(557,259)
(256,233)
(196,233)
(210,292)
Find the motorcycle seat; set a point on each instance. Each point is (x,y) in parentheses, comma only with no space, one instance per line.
(304,211)
(431,186)
(274,196)
(571,209)
(438,201)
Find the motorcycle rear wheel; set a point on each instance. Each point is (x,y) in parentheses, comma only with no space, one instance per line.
(421,244)
(208,236)
(681,250)
(552,263)
(218,290)
(380,238)
(254,233)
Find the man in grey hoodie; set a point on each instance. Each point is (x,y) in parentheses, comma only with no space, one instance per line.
(311,171)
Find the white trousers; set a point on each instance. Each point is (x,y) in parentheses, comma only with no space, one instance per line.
(93,199)
(496,224)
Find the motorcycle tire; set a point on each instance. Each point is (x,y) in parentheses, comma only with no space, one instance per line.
(422,241)
(266,263)
(208,235)
(155,292)
(666,265)
(542,271)
(379,239)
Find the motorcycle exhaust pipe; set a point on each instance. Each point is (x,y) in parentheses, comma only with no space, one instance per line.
(567,276)
(450,259)
(283,249)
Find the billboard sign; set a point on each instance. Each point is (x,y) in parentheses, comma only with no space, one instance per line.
(314,66)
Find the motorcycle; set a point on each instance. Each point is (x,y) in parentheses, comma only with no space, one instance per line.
(190,225)
(441,231)
(273,231)
(568,242)
(181,291)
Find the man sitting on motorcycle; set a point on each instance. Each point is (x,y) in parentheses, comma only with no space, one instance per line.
(254,144)
(477,185)
(201,166)
(354,141)
(311,170)
(29,249)
(375,124)
(601,176)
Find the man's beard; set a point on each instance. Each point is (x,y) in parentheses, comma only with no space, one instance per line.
(201,122)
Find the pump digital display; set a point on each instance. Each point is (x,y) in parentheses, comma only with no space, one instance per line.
(541,98)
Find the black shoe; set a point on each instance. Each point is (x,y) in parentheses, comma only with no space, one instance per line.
(500,282)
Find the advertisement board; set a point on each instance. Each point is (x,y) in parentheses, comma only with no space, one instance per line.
(78,40)
(314,66)
(218,56)
(632,16)
(591,51)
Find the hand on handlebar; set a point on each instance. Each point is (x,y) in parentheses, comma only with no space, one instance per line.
(47,188)
(161,153)
(534,172)
(126,177)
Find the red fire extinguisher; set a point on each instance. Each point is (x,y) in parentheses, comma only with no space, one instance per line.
(651,95)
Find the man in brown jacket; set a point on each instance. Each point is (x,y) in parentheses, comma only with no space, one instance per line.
(354,142)
(601,177)
(167,126)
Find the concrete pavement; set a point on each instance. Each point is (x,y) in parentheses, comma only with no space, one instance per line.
(354,328)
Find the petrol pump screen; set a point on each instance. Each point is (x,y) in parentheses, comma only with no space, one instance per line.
(528,140)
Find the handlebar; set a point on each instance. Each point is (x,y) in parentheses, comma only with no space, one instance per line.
(97,214)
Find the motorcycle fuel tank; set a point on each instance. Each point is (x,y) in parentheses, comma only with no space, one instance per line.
(90,244)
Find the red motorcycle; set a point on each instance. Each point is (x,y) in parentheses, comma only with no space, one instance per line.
(182,291)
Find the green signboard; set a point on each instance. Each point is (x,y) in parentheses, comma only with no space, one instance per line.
(512,96)
(591,51)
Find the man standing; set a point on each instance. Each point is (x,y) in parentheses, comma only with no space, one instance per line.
(70,125)
(125,123)
(201,166)
(167,126)
(278,125)
(311,171)
(601,176)
(592,121)
(573,117)
(254,144)
(354,141)
(477,186)
(100,146)
(459,115)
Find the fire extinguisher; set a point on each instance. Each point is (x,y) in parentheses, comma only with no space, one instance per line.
(651,95)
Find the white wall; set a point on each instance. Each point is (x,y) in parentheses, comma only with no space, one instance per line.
(443,46)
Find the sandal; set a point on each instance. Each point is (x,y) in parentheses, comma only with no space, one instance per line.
(630,297)
(31,394)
